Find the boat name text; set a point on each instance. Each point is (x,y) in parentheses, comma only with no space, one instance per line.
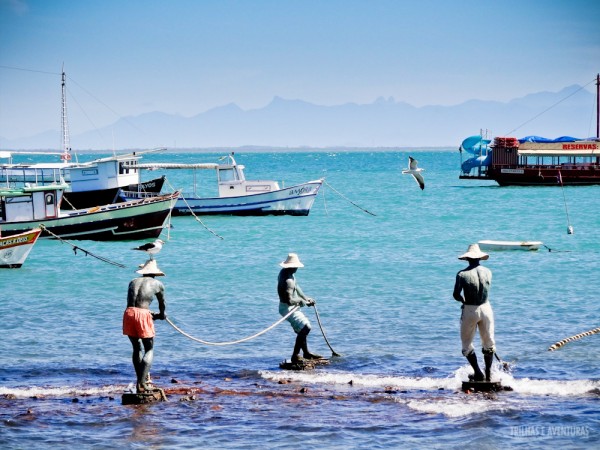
(580,146)
(519,171)
(11,242)
(300,191)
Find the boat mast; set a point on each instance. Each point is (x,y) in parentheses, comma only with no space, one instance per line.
(598,106)
(66,145)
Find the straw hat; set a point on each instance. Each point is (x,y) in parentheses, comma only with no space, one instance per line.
(473,252)
(150,268)
(291,261)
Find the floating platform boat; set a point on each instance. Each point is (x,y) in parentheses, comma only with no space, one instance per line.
(490,245)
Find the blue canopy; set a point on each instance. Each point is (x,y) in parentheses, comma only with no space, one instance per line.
(543,140)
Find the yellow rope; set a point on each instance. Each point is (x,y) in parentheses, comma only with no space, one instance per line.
(573,338)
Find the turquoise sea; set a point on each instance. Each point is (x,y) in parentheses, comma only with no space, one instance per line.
(383,285)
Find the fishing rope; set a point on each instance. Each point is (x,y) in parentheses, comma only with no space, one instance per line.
(347,199)
(333,352)
(556,251)
(192,212)
(292,311)
(559,344)
(569,227)
(86,252)
(325,203)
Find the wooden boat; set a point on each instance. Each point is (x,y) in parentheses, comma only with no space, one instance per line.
(237,195)
(489,245)
(15,249)
(535,161)
(33,206)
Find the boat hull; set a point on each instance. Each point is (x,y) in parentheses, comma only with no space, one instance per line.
(139,219)
(89,199)
(293,201)
(535,176)
(14,249)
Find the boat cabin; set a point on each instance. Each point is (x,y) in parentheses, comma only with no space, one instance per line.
(232,181)
(101,174)
(30,203)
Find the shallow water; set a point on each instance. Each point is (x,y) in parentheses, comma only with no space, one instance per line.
(383,285)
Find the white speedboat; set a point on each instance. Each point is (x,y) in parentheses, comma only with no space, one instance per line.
(237,195)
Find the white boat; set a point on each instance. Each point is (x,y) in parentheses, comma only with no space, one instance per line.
(15,249)
(490,245)
(22,209)
(238,196)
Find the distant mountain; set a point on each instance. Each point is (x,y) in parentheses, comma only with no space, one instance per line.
(383,123)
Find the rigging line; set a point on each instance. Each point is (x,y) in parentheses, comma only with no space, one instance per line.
(192,212)
(573,338)
(550,107)
(29,70)
(292,311)
(86,252)
(346,198)
(107,107)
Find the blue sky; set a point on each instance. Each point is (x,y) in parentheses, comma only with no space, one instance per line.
(128,57)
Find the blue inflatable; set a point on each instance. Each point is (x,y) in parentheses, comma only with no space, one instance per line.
(475,145)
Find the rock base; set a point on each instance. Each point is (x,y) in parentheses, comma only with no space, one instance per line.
(142,398)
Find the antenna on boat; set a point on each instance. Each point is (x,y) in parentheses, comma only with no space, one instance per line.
(597,107)
(66,142)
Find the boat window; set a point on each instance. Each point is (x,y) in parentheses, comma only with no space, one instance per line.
(49,199)
(227,175)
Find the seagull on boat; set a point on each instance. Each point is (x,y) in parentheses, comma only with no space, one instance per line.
(415,172)
(152,248)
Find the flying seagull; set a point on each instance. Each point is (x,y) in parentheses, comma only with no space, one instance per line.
(152,248)
(415,172)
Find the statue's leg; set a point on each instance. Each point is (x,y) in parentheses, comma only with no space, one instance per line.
(146,363)
(137,356)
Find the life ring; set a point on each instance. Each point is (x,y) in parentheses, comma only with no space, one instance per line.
(65,157)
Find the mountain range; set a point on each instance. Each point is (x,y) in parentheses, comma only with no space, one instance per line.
(384,123)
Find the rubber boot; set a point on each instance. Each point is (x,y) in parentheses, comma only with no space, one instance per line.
(488,358)
(472,358)
(300,345)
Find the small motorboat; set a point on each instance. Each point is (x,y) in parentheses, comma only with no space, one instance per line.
(490,245)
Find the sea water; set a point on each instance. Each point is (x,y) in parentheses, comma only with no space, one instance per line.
(380,258)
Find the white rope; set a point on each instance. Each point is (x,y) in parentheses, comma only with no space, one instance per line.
(346,198)
(292,311)
(192,212)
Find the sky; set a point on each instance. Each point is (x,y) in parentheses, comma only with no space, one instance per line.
(128,57)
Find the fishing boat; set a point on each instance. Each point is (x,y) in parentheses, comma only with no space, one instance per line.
(533,160)
(491,245)
(90,184)
(15,249)
(237,195)
(28,207)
